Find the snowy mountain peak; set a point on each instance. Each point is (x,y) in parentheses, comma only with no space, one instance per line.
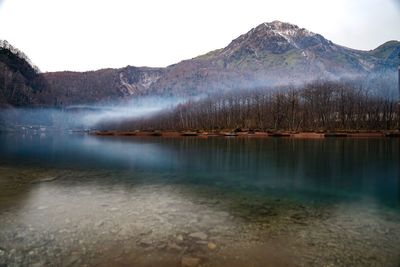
(275,37)
(276,24)
(286,29)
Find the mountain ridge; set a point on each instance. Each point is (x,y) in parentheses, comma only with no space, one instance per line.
(271,54)
(21,83)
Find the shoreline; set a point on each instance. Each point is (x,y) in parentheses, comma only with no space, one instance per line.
(248,134)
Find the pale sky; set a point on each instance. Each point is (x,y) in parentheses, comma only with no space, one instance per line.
(92,34)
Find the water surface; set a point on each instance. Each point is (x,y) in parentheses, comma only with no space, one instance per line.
(78,200)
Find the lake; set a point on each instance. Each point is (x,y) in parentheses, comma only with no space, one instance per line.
(79,200)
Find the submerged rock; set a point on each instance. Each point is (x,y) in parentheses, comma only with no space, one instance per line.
(146,242)
(2,251)
(72,261)
(199,235)
(45,179)
(190,262)
(175,247)
(99,223)
(211,245)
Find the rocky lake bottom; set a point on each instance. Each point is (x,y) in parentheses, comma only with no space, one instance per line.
(66,218)
(87,201)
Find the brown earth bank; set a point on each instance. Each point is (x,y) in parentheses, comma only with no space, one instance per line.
(250,134)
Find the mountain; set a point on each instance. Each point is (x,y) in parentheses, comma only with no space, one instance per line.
(389,52)
(71,88)
(275,53)
(20,81)
(271,54)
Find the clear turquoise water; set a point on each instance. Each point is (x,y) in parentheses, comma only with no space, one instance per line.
(315,170)
(337,191)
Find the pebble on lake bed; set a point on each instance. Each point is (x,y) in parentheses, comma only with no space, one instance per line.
(211,245)
(190,262)
(199,235)
(175,247)
(45,179)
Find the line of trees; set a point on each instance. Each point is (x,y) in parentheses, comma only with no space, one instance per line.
(321,105)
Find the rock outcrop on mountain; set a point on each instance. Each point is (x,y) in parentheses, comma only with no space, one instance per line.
(106,85)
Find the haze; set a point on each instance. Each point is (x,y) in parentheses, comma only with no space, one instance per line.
(92,34)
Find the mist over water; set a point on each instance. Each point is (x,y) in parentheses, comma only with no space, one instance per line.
(141,107)
(92,116)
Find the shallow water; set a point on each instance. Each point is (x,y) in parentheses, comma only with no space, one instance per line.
(77,200)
